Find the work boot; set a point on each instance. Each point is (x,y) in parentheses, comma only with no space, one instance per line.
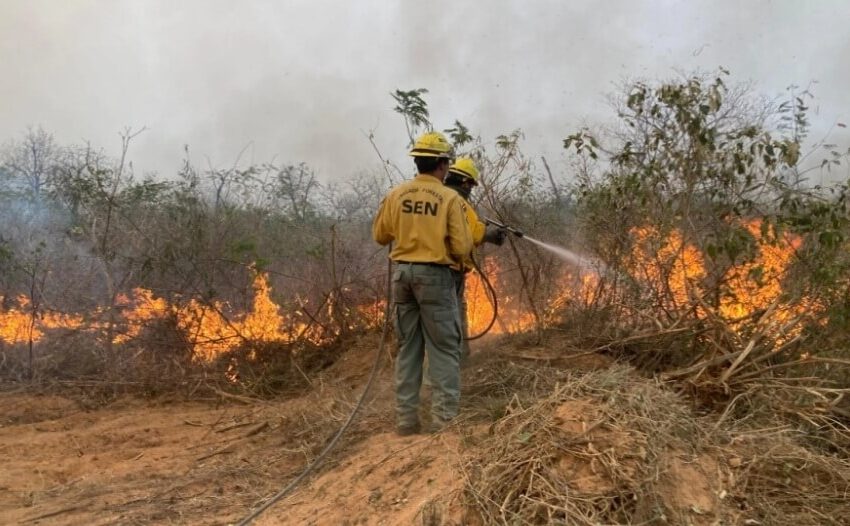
(407,430)
(437,425)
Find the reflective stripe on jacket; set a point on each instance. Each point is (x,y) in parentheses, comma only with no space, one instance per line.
(426,222)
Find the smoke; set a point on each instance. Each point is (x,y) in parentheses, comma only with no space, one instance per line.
(48,254)
(304,81)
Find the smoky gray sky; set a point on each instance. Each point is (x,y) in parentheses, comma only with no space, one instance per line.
(303,80)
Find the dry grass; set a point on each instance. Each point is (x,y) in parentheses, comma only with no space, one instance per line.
(526,471)
(781,482)
(790,370)
(157,364)
(609,447)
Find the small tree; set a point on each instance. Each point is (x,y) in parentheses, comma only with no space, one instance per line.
(30,165)
(414,109)
(690,156)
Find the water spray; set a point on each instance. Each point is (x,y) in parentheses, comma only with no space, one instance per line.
(567,255)
(563,253)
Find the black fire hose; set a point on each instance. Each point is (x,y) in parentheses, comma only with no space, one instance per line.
(489,286)
(493,301)
(319,459)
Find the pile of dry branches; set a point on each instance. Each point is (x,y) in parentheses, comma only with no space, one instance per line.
(588,453)
(608,447)
(780,357)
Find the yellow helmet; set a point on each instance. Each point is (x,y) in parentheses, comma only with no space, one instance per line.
(432,144)
(466,168)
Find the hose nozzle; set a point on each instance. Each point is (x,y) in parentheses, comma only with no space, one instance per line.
(510,229)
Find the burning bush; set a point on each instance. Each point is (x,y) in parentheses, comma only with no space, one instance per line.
(149,340)
(715,249)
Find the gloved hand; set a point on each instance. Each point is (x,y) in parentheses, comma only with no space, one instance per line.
(495,235)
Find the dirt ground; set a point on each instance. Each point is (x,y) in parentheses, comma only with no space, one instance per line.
(139,461)
(142,461)
(193,463)
(126,463)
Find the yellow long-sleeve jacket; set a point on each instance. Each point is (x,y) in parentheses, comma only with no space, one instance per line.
(426,221)
(477,229)
(476,225)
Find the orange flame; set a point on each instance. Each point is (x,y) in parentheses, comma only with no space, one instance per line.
(147,308)
(205,326)
(514,316)
(23,324)
(756,284)
(575,290)
(677,270)
(666,264)
(373,313)
(19,326)
(479,307)
(212,333)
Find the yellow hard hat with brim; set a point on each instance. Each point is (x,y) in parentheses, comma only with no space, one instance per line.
(432,144)
(466,168)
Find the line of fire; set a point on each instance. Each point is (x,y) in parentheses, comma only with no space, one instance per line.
(659,265)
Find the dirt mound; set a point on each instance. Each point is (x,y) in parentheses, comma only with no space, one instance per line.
(604,447)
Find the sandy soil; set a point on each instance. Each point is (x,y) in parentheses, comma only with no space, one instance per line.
(210,462)
(134,462)
(131,462)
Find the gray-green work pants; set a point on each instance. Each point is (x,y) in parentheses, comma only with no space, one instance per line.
(460,289)
(426,321)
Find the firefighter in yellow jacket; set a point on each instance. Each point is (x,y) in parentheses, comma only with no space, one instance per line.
(463,177)
(426,223)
